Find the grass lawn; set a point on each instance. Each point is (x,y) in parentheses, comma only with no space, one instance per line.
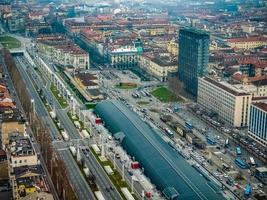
(63,103)
(164,95)
(127,87)
(9,42)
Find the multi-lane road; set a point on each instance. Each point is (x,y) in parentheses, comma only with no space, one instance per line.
(102,179)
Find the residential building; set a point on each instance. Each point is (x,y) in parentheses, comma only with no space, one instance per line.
(21,151)
(231,104)
(63,52)
(247,42)
(11,121)
(193,57)
(257,129)
(159,65)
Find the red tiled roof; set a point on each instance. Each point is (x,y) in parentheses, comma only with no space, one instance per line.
(247,39)
(261,105)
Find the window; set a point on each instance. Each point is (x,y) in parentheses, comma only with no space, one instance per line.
(25,161)
(20,161)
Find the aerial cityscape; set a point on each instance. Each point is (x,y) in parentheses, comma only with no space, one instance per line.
(133,100)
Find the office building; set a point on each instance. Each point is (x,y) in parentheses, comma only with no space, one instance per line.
(193,57)
(231,104)
(257,129)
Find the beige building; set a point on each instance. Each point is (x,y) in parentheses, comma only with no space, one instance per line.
(21,152)
(247,42)
(231,104)
(64,52)
(11,122)
(158,65)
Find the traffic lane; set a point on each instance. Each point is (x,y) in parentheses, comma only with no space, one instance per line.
(41,111)
(77,178)
(92,161)
(99,180)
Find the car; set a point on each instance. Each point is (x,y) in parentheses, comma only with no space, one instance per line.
(107,189)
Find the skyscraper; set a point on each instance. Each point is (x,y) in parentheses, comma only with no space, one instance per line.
(193,57)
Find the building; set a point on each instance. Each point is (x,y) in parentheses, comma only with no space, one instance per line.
(193,57)
(167,169)
(257,129)
(247,42)
(159,65)
(231,104)
(21,152)
(123,57)
(11,121)
(63,52)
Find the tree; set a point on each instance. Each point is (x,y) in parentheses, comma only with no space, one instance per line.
(175,85)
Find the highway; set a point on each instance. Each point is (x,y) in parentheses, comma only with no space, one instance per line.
(77,179)
(40,109)
(29,131)
(102,178)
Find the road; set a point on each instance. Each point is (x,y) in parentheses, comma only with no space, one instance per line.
(102,178)
(77,179)
(29,131)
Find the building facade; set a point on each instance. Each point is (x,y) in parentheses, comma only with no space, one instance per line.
(124,58)
(193,57)
(232,105)
(257,129)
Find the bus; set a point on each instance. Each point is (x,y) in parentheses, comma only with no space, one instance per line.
(252,161)
(211,141)
(169,132)
(240,163)
(189,125)
(238,151)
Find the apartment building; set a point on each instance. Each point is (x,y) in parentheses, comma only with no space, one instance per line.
(11,121)
(158,65)
(231,104)
(247,42)
(21,151)
(257,129)
(63,52)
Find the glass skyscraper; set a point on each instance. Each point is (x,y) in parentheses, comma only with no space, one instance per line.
(193,57)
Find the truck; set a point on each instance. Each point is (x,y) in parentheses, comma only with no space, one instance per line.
(52,114)
(85,133)
(65,135)
(73,150)
(86,171)
(135,165)
(98,120)
(95,148)
(77,124)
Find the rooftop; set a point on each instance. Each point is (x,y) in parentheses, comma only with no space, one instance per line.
(225,87)
(261,105)
(165,167)
(20,145)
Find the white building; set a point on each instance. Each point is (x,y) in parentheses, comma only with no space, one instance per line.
(257,129)
(231,104)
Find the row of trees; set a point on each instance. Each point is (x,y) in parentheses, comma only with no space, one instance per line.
(55,166)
